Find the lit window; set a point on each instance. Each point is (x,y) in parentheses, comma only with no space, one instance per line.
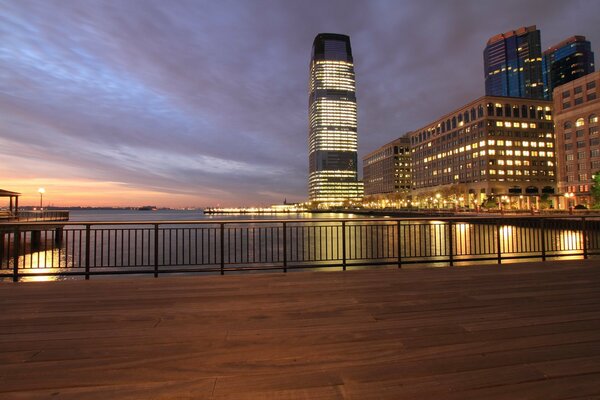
(579,122)
(532,125)
(498,123)
(593,119)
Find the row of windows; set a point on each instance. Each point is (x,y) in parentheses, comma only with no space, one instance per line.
(579,100)
(578,89)
(593,131)
(592,119)
(582,166)
(582,155)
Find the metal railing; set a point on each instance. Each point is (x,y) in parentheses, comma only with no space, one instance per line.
(94,248)
(38,216)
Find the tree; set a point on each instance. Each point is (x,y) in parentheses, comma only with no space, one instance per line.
(596,190)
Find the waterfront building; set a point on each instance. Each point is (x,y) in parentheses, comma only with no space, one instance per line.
(577,106)
(386,172)
(333,175)
(494,149)
(513,64)
(566,61)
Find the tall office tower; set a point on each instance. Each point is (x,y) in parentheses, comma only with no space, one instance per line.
(333,146)
(513,64)
(566,61)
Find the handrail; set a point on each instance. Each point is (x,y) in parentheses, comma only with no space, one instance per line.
(300,220)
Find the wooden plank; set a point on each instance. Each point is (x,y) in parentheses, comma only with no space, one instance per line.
(517,331)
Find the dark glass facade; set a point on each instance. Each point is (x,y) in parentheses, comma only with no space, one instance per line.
(333,146)
(568,60)
(513,64)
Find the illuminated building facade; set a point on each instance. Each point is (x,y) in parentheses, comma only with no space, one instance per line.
(333,146)
(386,171)
(577,106)
(494,148)
(566,61)
(513,64)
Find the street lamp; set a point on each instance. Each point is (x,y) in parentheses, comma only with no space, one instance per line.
(41,191)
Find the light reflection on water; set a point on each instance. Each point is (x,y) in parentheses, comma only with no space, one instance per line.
(309,243)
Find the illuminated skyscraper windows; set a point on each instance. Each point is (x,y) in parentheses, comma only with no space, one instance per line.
(332,111)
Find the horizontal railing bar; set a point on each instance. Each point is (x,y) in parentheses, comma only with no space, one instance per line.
(301,221)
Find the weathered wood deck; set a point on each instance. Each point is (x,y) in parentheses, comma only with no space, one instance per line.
(511,332)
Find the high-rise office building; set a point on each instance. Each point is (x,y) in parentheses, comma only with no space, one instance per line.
(333,144)
(513,64)
(566,61)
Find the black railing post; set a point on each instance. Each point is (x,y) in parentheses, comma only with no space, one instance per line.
(399,244)
(543,239)
(2,250)
(344,245)
(584,238)
(284,247)
(156,250)
(87,252)
(498,242)
(451,244)
(222,248)
(16,251)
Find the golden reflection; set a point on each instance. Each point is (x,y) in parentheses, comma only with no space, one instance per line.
(40,263)
(569,241)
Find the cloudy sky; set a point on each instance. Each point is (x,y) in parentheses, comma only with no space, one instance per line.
(199,103)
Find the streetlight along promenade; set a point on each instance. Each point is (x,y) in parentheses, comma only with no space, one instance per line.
(97,248)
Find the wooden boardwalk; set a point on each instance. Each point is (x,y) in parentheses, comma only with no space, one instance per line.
(527,331)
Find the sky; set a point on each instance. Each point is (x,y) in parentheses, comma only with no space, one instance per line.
(204,103)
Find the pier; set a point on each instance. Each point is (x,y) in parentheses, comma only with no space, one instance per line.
(517,331)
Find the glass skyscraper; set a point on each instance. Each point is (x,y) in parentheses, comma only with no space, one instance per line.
(513,64)
(333,146)
(566,61)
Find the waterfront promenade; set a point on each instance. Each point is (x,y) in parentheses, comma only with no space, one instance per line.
(516,331)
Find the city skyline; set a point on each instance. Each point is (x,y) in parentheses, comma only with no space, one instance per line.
(194,104)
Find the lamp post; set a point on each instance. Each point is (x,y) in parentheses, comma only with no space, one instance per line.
(41,191)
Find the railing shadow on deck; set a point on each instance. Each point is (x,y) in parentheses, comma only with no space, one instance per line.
(98,248)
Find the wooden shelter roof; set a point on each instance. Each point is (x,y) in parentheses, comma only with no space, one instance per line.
(8,193)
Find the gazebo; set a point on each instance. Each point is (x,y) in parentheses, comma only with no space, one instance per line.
(13,207)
